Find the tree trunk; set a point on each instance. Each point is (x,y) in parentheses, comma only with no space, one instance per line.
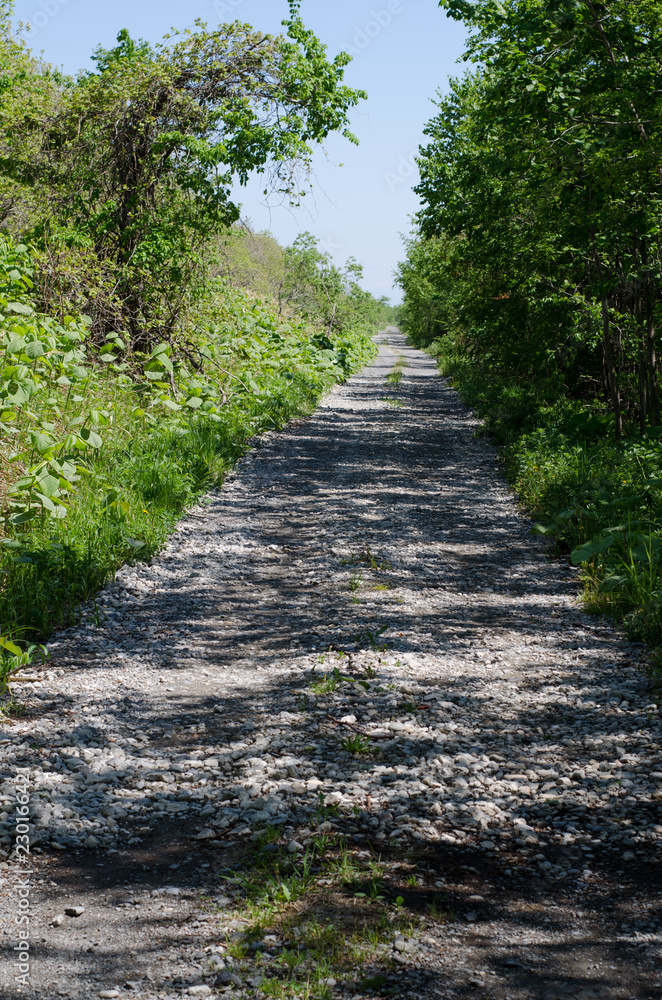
(651,358)
(608,352)
(643,384)
(611,370)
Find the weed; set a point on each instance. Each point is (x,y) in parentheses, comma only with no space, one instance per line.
(374,892)
(438,909)
(598,501)
(394,377)
(13,658)
(289,897)
(355,581)
(292,959)
(355,743)
(377,982)
(327,684)
(267,836)
(371,637)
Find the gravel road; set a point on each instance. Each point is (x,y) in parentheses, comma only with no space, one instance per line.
(510,741)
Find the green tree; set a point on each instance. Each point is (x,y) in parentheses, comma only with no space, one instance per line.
(139,155)
(543,173)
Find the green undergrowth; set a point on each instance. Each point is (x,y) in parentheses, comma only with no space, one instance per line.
(102,448)
(322,918)
(597,500)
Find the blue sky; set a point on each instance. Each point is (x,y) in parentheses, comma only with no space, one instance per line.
(404,50)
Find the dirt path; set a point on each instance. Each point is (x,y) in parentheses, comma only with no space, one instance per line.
(468,807)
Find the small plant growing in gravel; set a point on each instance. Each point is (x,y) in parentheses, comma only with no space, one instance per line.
(293,959)
(395,376)
(372,983)
(440,911)
(356,743)
(267,836)
(323,812)
(355,581)
(323,842)
(328,684)
(373,893)
(12,658)
(371,636)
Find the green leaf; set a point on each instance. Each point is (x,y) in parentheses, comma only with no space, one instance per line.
(49,485)
(24,517)
(589,549)
(42,500)
(35,349)
(10,646)
(194,402)
(135,543)
(42,442)
(91,437)
(611,583)
(21,308)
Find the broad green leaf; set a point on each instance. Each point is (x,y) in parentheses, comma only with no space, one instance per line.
(24,517)
(49,485)
(37,497)
(42,442)
(539,529)
(589,549)
(10,646)
(21,308)
(35,349)
(611,583)
(91,437)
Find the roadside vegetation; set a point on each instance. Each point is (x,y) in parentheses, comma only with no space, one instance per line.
(535,274)
(146,334)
